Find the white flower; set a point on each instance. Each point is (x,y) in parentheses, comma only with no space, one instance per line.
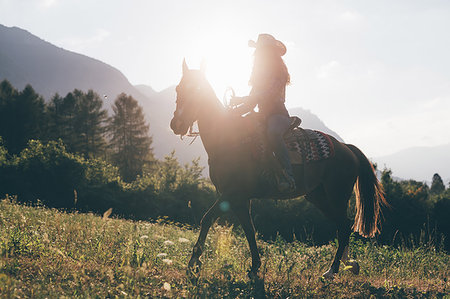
(144,237)
(167,261)
(162,254)
(167,286)
(168,242)
(183,240)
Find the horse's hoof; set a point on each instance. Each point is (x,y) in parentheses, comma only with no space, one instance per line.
(193,268)
(252,274)
(193,274)
(329,274)
(354,266)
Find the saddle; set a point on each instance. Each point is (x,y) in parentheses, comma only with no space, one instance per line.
(304,145)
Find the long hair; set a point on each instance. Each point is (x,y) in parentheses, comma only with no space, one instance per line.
(268,62)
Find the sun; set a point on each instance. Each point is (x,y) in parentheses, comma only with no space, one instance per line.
(228,60)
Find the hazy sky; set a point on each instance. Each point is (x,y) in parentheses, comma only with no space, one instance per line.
(376,72)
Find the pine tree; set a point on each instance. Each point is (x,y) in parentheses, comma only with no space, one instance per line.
(57,124)
(130,141)
(437,185)
(22,116)
(89,123)
(79,120)
(8,94)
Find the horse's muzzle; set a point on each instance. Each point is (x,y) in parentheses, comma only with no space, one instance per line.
(178,127)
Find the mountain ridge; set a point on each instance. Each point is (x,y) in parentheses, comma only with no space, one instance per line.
(24,57)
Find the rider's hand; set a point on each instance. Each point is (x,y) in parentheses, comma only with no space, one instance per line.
(234,101)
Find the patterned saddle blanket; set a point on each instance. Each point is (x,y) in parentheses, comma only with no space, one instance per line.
(306,146)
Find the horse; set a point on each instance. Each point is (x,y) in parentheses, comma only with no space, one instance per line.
(328,184)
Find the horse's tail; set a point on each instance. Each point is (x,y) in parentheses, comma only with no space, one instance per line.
(369,197)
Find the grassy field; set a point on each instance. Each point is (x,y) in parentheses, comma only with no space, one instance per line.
(47,253)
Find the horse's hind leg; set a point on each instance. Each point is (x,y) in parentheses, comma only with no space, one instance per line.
(343,232)
(335,210)
(206,222)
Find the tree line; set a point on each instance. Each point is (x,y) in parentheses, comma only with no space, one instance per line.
(81,122)
(70,154)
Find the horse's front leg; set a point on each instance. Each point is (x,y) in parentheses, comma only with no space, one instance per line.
(242,211)
(206,222)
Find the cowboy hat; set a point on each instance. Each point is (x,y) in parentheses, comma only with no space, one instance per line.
(268,41)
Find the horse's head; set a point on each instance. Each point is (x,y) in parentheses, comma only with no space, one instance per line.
(189,95)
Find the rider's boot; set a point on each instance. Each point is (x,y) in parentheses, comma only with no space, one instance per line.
(286,182)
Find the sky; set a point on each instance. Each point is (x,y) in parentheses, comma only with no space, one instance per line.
(376,72)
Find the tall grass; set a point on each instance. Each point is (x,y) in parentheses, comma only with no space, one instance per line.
(48,253)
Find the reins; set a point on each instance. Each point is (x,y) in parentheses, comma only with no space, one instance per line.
(192,133)
(224,100)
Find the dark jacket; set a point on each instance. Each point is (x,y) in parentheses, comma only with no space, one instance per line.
(269,94)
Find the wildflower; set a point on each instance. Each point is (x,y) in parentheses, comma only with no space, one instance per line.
(168,242)
(162,254)
(167,286)
(167,261)
(144,237)
(183,240)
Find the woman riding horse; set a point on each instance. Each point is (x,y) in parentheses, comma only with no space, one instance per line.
(327,183)
(268,80)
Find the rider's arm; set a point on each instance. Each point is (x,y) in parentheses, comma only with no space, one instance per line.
(270,90)
(247,106)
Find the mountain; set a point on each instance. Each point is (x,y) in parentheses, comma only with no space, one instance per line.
(27,59)
(419,163)
(146,90)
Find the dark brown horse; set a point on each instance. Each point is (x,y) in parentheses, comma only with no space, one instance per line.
(328,184)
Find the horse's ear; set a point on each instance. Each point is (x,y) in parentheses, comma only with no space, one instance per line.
(203,66)
(185,67)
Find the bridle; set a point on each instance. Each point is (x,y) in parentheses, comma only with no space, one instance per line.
(191,133)
(194,134)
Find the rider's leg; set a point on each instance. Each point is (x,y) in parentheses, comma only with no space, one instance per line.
(277,125)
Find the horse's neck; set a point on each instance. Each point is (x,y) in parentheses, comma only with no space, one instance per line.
(210,122)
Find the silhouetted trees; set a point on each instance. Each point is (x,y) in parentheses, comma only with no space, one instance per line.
(90,121)
(130,140)
(79,120)
(22,116)
(437,185)
(61,114)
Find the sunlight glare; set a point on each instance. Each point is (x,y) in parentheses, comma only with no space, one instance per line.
(228,59)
